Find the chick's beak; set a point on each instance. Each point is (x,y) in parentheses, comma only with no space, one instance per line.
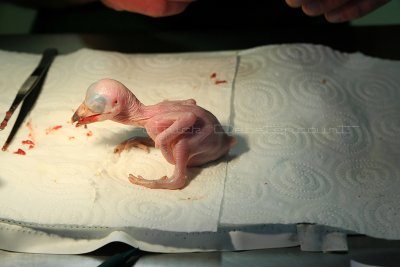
(83,115)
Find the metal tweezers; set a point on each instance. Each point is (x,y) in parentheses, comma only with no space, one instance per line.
(28,93)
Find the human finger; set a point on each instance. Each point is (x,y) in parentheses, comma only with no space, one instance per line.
(319,7)
(354,9)
(294,3)
(153,8)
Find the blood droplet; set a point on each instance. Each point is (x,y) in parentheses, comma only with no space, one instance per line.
(20,152)
(90,133)
(213,76)
(220,81)
(28,142)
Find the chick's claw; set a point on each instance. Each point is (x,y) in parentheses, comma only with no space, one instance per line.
(132,178)
(162,183)
(139,142)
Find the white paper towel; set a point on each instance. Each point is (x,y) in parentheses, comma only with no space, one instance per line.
(72,177)
(319,135)
(317,143)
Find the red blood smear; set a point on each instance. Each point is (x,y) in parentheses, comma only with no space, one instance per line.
(30,128)
(213,75)
(90,133)
(28,142)
(52,129)
(56,127)
(3,124)
(89,119)
(220,81)
(6,119)
(20,152)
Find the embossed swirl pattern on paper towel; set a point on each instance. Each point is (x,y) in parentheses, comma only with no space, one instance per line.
(374,91)
(188,86)
(334,58)
(259,100)
(316,90)
(16,67)
(98,63)
(159,64)
(382,215)
(211,174)
(300,180)
(76,213)
(342,132)
(387,125)
(251,65)
(296,56)
(240,189)
(52,178)
(156,213)
(359,62)
(329,214)
(369,176)
(57,76)
(279,140)
(348,104)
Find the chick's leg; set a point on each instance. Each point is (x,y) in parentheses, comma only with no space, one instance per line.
(177,180)
(182,122)
(137,141)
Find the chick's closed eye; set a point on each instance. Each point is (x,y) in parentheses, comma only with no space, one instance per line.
(96,103)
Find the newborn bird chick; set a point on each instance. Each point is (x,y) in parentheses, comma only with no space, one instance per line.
(186,134)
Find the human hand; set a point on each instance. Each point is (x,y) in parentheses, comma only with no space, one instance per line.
(337,10)
(152,8)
